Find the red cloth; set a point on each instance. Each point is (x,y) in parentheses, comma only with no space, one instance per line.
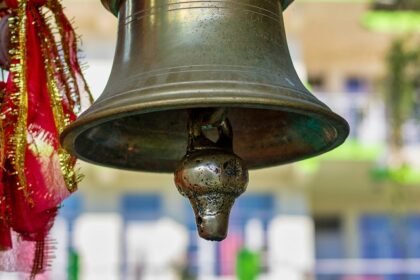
(29,203)
(13,4)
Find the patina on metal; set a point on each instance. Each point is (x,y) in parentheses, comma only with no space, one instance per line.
(114,5)
(173,56)
(210,174)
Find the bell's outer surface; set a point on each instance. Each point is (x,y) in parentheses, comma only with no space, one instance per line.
(176,55)
(114,5)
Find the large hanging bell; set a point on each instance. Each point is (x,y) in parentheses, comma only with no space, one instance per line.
(174,57)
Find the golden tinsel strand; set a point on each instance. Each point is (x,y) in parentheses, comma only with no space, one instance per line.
(60,118)
(56,8)
(60,66)
(74,96)
(18,32)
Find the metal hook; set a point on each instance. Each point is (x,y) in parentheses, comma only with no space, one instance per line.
(202,119)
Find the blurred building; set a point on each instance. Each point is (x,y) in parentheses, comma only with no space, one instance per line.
(325,219)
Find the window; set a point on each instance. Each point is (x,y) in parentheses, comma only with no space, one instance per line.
(328,238)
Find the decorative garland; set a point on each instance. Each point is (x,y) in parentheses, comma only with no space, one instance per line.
(44,92)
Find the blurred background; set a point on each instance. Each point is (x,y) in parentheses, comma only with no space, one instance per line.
(352,214)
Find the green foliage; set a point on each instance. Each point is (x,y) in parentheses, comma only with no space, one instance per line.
(350,150)
(401,103)
(397,5)
(400,88)
(392,21)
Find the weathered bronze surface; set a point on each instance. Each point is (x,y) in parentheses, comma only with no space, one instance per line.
(210,174)
(214,65)
(114,5)
(177,55)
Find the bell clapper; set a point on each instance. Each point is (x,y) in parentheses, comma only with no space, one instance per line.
(210,175)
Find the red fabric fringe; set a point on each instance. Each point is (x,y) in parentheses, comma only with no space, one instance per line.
(28,209)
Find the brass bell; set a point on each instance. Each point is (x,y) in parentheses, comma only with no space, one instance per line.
(228,59)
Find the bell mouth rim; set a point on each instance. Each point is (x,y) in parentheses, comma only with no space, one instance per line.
(285,104)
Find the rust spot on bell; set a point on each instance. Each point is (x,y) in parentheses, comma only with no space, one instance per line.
(211,176)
